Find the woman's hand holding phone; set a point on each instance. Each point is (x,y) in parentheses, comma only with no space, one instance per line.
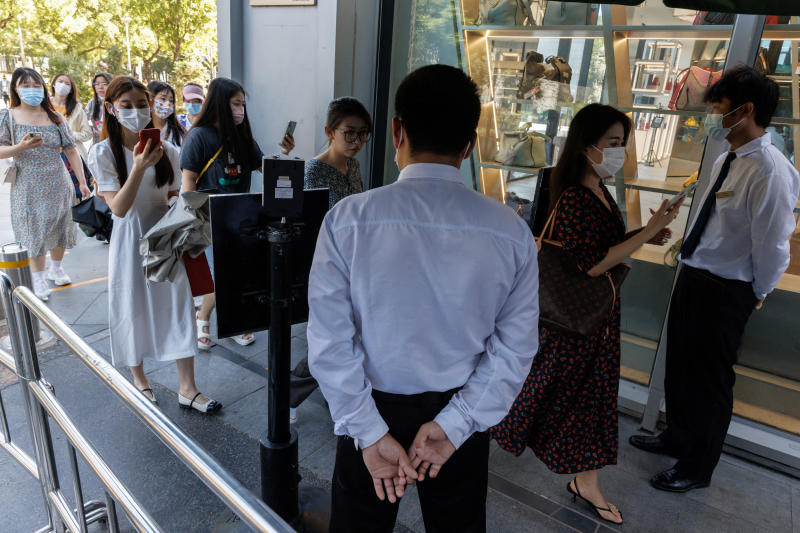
(287,144)
(30,141)
(147,155)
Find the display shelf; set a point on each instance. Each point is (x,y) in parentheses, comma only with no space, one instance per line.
(499,166)
(668,186)
(721,32)
(662,111)
(511,33)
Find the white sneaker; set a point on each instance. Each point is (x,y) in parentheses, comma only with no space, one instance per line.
(41,289)
(292,415)
(58,276)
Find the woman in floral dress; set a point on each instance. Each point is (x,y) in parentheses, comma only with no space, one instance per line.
(567,409)
(42,195)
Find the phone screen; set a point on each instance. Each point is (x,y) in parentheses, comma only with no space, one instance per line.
(683,194)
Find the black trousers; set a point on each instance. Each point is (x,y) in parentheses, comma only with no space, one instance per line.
(453,501)
(706,322)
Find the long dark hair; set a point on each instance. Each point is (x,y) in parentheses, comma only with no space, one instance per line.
(24,74)
(216,113)
(112,130)
(173,126)
(586,129)
(96,106)
(72,98)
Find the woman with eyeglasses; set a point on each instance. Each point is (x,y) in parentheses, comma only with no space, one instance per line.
(219,155)
(94,109)
(348,127)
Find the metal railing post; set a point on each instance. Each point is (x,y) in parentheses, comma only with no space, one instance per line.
(6,289)
(23,345)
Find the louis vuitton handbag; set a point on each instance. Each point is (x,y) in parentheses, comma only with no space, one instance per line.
(571,301)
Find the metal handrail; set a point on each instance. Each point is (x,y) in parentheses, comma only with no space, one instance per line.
(251,510)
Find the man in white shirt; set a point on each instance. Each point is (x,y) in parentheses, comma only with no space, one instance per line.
(423,320)
(733,256)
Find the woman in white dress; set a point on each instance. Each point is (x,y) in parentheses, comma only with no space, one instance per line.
(147,319)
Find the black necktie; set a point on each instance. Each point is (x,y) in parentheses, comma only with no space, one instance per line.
(693,239)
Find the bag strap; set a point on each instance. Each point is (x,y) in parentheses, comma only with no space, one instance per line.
(549,224)
(207,165)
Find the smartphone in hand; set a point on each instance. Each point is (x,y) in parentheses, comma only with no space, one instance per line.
(153,134)
(290,128)
(683,194)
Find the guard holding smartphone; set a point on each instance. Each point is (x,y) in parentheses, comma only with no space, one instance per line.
(733,255)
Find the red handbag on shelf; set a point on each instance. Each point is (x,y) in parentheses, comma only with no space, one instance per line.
(690,87)
(199,274)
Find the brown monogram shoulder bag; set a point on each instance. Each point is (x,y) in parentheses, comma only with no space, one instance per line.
(571,301)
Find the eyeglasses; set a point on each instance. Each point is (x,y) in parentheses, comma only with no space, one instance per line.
(352,136)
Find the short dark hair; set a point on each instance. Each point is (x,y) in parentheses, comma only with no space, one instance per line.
(745,84)
(344,107)
(439,107)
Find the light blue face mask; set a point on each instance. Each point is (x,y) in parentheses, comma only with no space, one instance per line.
(714,128)
(193,108)
(31,95)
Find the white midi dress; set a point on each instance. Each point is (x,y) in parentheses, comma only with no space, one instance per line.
(147,319)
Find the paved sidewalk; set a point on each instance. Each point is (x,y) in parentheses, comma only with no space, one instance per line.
(523,495)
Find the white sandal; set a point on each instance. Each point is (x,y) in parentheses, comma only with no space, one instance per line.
(241,341)
(208,407)
(203,335)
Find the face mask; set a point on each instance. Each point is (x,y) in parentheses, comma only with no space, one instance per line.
(194,109)
(31,95)
(714,128)
(62,89)
(613,160)
(238,116)
(162,109)
(134,119)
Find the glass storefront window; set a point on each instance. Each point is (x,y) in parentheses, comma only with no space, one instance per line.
(654,63)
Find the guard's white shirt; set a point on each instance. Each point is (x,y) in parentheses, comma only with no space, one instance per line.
(747,235)
(422,285)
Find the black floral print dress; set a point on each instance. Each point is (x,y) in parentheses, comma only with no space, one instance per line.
(567,409)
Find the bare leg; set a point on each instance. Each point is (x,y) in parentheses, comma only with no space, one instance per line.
(209,301)
(38,262)
(186,377)
(57,254)
(140,380)
(589,487)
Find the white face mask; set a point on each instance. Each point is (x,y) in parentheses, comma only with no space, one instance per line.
(134,119)
(61,88)
(715,129)
(613,161)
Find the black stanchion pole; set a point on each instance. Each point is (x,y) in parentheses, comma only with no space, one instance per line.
(279,471)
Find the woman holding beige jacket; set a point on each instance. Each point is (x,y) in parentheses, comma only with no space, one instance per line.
(65,101)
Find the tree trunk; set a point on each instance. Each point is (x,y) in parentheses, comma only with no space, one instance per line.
(146,70)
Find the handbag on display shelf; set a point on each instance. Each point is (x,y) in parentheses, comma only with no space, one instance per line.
(561,73)
(571,301)
(506,12)
(532,72)
(567,14)
(8,168)
(521,206)
(708,18)
(690,87)
(523,149)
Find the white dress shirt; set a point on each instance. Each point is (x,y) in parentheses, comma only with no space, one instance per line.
(422,285)
(747,235)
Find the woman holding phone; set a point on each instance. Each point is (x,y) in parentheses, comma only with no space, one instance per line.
(147,319)
(42,195)
(220,155)
(567,409)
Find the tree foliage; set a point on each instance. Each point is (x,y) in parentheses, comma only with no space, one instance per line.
(170,38)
